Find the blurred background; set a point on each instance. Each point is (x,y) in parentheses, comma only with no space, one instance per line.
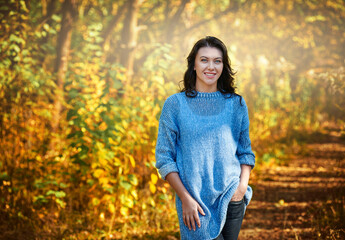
(82,83)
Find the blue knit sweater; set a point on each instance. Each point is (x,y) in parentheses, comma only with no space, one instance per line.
(205,139)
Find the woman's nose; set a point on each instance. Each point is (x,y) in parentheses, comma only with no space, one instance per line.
(211,65)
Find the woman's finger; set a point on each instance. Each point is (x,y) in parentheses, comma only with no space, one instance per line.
(184,220)
(193,219)
(197,219)
(188,222)
(201,210)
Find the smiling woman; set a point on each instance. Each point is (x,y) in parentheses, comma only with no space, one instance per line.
(203,148)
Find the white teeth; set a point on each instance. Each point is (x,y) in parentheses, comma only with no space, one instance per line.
(210,74)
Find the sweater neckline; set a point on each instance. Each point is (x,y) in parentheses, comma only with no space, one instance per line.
(209,94)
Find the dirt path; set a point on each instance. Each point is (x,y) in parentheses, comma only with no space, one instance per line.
(291,201)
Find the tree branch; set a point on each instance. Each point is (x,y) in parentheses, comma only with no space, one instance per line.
(229,9)
(112,24)
(179,11)
(171,23)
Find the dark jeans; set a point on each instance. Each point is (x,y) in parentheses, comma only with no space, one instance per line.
(234,218)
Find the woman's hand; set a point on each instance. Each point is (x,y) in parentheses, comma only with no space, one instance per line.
(239,193)
(190,209)
(242,187)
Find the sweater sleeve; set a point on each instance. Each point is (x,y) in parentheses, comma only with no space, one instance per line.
(244,150)
(167,135)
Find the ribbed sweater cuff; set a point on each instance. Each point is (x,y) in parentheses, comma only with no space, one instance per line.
(247,160)
(165,170)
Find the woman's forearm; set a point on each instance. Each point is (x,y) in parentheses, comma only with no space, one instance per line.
(245,174)
(244,179)
(175,182)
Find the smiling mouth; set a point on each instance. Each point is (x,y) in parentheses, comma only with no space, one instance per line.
(210,74)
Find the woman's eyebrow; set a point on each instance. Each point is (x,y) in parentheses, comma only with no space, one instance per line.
(208,57)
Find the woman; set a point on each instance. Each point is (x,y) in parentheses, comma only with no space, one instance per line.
(203,148)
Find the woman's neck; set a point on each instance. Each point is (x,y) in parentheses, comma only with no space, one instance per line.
(206,89)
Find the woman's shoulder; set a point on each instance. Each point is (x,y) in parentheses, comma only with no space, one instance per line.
(235,97)
(173,99)
(172,102)
(237,103)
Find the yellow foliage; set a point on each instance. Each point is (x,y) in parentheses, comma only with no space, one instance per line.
(102,160)
(111,208)
(95,201)
(104,181)
(154,178)
(152,187)
(131,159)
(124,211)
(152,202)
(134,194)
(98,173)
(125,124)
(164,190)
(103,126)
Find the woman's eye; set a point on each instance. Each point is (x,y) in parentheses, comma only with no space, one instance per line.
(203,60)
(217,61)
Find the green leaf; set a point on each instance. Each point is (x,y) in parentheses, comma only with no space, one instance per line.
(40,199)
(77,134)
(126,185)
(56,18)
(315,18)
(38,34)
(44,113)
(109,189)
(14,38)
(15,47)
(84,150)
(80,162)
(71,113)
(90,182)
(50,192)
(80,104)
(110,155)
(60,194)
(133,179)
(117,84)
(46,27)
(106,118)
(60,202)
(4,176)
(73,93)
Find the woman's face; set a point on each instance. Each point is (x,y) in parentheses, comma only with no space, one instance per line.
(208,66)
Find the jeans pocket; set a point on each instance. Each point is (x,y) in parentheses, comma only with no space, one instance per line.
(236,209)
(236,202)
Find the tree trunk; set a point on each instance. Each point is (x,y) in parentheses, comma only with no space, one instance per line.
(172,22)
(107,33)
(63,48)
(129,38)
